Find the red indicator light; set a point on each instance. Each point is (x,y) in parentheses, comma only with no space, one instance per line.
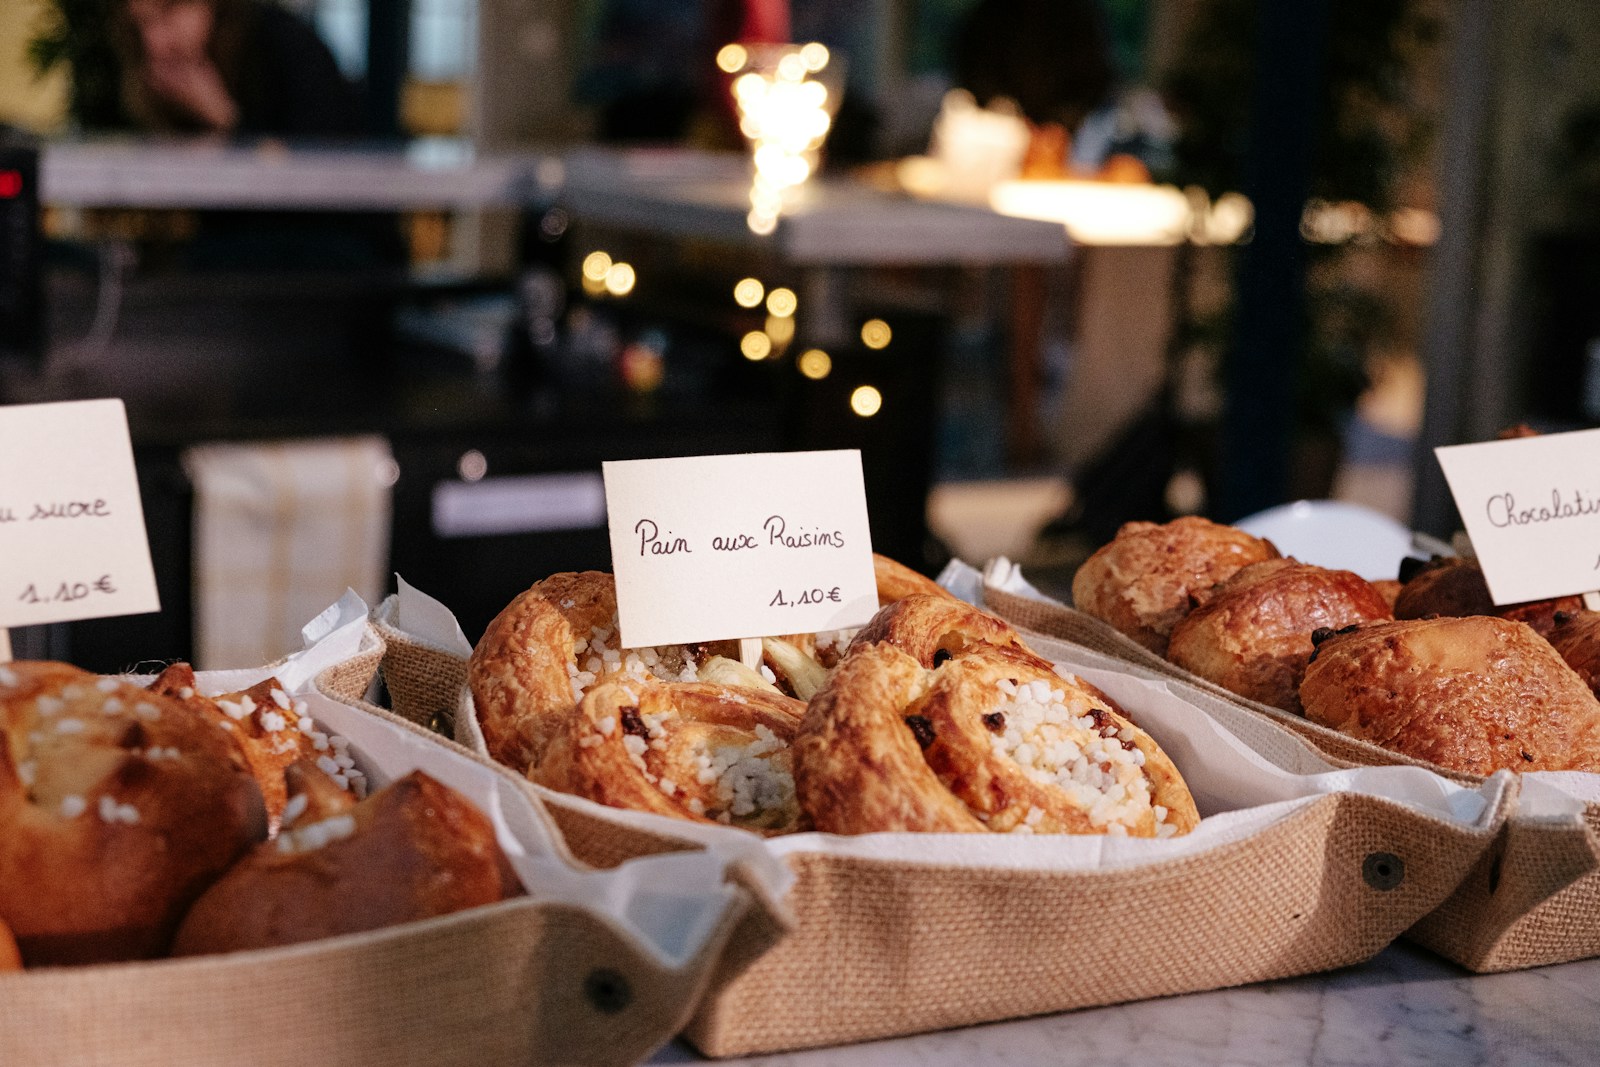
(10,184)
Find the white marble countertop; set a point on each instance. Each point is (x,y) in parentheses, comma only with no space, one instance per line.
(1405,1008)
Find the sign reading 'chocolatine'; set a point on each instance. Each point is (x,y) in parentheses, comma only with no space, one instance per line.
(1532,508)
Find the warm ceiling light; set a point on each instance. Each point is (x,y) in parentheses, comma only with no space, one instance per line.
(596,265)
(780,330)
(866,401)
(756,346)
(732,57)
(875,333)
(620,279)
(815,364)
(815,56)
(748,293)
(782,302)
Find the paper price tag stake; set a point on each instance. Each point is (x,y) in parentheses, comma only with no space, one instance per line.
(1531,506)
(72,535)
(714,548)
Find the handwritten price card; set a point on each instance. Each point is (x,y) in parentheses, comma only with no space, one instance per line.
(72,537)
(711,548)
(1532,508)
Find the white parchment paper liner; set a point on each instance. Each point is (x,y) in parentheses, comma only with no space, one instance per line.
(671,902)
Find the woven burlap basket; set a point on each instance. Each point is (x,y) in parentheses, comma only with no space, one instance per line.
(533,980)
(1532,899)
(887,945)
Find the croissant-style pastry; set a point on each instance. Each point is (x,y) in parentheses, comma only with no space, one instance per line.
(1455,586)
(986,742)
(412,850)
(690,750)
(1150,576)
(1475,694)
(896,581)
(1576,638)
(1254,636)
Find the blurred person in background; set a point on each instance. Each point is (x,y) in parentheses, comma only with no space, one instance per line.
(228,66)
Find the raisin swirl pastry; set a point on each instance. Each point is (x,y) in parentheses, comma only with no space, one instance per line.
(118,806)
(989,741)
(933,629)
(546,650)
(691,750)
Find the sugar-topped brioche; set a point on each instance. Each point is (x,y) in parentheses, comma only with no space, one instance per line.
(118,807)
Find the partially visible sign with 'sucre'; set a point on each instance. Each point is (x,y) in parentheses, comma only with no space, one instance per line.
(711,548)
(1532,508)
(72,534)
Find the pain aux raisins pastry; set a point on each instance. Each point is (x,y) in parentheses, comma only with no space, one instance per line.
(987,741)
(560,638)
(118,807)
(691,750)
(413,850)
(1475,695)
(1150,576)
(1254,636)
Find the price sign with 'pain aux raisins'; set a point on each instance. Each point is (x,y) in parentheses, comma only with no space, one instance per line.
(72,535)
(710,548)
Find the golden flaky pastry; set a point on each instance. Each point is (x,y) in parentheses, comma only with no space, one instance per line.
(1253,637)
(117,808)
(1455,586)
(545,650)
(988,741)
(1475,694)
(1150,576)
(560,638)
(1576,636)
(932,630)
(690,750)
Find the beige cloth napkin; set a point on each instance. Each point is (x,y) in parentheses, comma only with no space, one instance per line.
(281,529)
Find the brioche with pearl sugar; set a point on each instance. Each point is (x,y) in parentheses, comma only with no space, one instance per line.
(118,807)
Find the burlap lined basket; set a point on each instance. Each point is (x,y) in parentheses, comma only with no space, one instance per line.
(525,981)
(884,947)
(1532,899)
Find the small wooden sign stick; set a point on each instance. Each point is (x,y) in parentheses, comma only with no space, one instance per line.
(5,645)
(750,652)
(1592,601)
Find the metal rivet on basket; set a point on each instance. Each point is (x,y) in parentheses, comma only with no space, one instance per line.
(1383,870)
(607,990)
(443,722)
